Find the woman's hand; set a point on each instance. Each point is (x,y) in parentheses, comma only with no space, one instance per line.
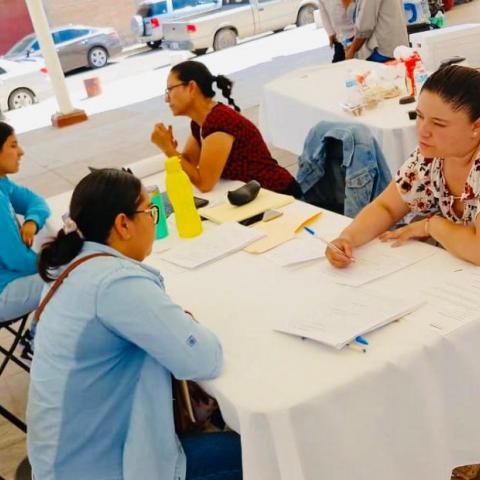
(27,232)
(162,137)
(337,259)
(402,234)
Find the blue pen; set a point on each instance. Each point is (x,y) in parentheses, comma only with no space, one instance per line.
(361,340)
(330,245)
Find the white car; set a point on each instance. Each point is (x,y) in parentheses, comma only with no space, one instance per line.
(22,84)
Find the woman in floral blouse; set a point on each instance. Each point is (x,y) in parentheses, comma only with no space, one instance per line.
(439,182)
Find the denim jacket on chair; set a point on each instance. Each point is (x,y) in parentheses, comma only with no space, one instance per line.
(366,171)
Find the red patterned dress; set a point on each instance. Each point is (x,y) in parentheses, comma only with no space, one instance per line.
(249,158)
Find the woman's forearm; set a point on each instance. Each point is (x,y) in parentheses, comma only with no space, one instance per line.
(373,220)
(460,240)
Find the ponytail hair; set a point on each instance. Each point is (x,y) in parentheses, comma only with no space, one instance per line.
(197,72)
(96,201)
(225,85)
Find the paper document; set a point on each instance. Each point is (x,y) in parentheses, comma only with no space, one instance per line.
(295,251)
(451,302)
(280,230)
(348,313)
(377,259)
(212,245)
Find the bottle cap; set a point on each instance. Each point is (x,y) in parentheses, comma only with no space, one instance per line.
(172,164)
(153,190)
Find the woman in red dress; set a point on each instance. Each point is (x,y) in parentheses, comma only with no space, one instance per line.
(223,143)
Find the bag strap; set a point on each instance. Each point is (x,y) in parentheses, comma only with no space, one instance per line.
(60,280)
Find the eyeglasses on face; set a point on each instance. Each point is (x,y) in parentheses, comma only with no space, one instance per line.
(169,89)
(153,211)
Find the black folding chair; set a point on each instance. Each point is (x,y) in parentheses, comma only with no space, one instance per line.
(20,336)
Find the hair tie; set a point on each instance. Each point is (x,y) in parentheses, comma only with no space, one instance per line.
(70,226)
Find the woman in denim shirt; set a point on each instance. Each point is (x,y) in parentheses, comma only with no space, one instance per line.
(439,182)
(20,286)
(107,344)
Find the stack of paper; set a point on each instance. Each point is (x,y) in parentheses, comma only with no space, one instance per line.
(452,301)
(347,314)
(213,245)
(295,251)
(377,259)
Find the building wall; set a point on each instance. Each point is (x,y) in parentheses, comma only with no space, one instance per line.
(97,13)
(14,23)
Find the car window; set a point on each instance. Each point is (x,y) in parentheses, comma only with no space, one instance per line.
(179,4)
(21,45)
(80,32)
(235,2)
(64,35)
(2,71)
(35,46)
(158,8)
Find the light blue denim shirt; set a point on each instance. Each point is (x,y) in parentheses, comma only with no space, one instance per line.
(100,400)
(366,171)
(16,259)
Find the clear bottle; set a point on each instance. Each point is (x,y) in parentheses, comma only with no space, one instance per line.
(180,194)
(353,90)
(420,75)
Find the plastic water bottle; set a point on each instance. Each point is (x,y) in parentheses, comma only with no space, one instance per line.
(161,230)
(180,194)
(420,75)
(353,90)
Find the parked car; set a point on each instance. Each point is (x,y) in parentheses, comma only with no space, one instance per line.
(22,84)
(77,46)
(147,23)
(236,19)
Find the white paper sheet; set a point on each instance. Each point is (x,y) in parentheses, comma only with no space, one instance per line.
(377,259)
(349,313)
(295,251)
(451,302)
(212,245)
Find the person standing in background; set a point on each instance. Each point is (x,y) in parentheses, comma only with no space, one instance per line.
(337,19)
(379,27)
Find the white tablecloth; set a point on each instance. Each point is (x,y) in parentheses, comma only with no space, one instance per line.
(292,104)
(408,409)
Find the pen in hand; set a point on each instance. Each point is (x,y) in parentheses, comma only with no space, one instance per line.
(330,245)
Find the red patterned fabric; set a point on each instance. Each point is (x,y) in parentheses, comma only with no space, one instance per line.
(249,158)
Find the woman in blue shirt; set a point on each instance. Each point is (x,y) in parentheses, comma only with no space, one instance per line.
(107,344)
(20,286)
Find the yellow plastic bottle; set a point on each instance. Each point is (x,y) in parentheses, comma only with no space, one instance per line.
(180,193)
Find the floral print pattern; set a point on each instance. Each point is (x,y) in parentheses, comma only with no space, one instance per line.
(421,184)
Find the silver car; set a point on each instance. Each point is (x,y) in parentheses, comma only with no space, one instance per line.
(22,84)
(151,14)
(77,46)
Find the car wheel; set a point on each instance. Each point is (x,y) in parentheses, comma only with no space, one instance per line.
(155,45)
(21,97)
(305,15)
(97,57)
(200,51)
(224,38)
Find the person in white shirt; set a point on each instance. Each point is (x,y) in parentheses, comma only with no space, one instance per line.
(380,26)
(337,19)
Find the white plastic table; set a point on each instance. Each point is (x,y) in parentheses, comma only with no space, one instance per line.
(292,104)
